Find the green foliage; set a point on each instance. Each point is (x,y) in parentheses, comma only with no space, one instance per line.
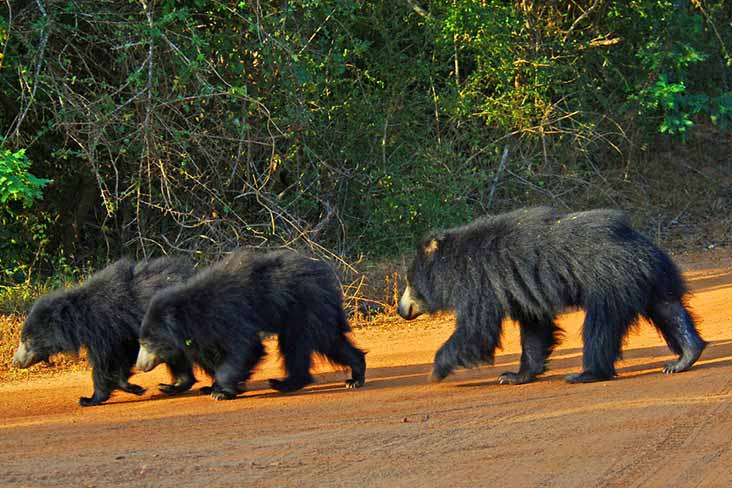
(21,230)
(721,111)
(681,84)
(494,69)
(16,181)
(198,126)
(24,239)
(18,299)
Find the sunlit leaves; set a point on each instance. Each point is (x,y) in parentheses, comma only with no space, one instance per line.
(16,182)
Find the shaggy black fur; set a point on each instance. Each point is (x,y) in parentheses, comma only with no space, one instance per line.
(216,318)
(104,315)
(532,264)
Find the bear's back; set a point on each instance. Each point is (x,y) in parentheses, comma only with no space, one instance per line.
(157,274)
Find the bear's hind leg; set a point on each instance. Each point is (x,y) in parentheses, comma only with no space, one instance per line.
(346,354)
(602,334)
(677,327)
(538,338)
(297,355)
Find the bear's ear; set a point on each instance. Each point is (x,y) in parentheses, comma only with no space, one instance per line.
(432,244)
(430,247)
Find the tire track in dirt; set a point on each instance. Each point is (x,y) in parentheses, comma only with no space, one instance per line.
(668,452)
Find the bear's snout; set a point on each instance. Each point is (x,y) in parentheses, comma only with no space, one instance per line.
(24,357)
(408,307)
(405,314)
(146,359)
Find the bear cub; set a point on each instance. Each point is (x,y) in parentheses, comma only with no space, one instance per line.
(104,315)
(216,318)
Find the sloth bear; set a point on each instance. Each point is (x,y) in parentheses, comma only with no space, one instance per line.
(215,320)
(104,315)
(530,265)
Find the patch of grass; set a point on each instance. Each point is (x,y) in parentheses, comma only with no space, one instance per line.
(372,297)
(10,326)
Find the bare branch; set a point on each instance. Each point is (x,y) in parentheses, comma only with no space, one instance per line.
(497,177)
(15,128)
(582,17)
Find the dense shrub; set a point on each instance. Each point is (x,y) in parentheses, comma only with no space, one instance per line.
(194,126)
(22,233)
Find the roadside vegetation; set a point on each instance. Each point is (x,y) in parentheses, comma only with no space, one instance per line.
(347,128)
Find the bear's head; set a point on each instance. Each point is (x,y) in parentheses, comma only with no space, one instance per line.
(419,296)
(48,329)
(158,339)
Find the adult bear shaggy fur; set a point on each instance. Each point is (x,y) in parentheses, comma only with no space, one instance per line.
(104,315)
(530,265)
(216,318)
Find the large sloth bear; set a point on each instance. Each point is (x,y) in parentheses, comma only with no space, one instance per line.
(530,265)
(104,315)
(216,318)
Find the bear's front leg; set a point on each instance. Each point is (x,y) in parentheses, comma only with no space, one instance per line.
(183,378)
(231,376)
(220,392)
(132,388)
(472,342)
(102,388)
(97,398)
(447,357)
(226,383)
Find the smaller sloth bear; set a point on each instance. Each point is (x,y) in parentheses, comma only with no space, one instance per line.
(532,264)
(215,320)
(104,315)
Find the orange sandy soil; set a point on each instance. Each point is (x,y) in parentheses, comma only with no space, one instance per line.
(642,429)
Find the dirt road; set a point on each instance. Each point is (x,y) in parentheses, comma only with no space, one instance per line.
(643,429)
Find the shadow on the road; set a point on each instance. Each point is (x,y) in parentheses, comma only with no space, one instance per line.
(717,354)
(646,361)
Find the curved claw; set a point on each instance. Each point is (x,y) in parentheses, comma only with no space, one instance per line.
(222,395)
(509,378)
(352,384)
